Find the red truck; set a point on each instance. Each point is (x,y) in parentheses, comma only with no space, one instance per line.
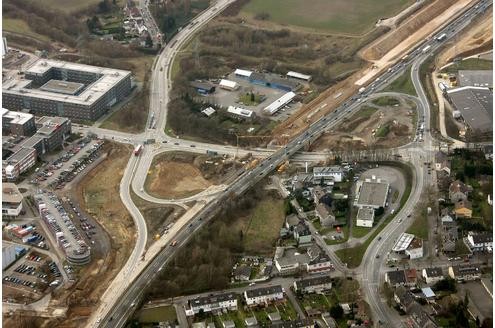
(138,150)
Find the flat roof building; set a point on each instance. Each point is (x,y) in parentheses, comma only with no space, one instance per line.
(202,87)
(58,88)
(228,85)
(371,193)
(240,113)
(18,123)
(280,102)
(475,78)
(475,105)
(365,217)
(299,76)
(11,200)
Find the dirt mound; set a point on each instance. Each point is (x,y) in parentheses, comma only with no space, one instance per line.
(384,44)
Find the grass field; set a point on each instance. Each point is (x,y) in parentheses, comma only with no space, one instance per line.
(21,27)
(264,225)
(69,6)
(165,313)
(419,228)
(352,17)
(386,101)
(471,63)
(402,84)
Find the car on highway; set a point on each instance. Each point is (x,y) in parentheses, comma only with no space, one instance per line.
(176,143)
(192,146)
(377,256)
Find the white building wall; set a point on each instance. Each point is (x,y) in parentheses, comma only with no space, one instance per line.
(364,223)
(8,256)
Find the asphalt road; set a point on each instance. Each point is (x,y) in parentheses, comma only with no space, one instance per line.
(121,305)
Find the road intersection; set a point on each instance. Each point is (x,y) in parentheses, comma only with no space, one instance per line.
(118,302)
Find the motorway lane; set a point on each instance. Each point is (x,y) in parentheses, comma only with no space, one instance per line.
(244,182)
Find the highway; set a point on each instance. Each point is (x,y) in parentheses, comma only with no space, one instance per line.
(115,310)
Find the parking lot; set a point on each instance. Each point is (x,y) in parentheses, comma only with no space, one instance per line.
(69,164)
(67,236)
(30,277)
(225,98)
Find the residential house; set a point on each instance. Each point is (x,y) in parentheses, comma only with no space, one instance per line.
(442,162)
(302,235)
(403,297)
(419,318)
(327,175)
(325,215)
(299,323)
(291,221)
(395,278)
(458,191)
(321,263)
(479,242)
(289,260)
(274,317)
(463,209)
(432,275)
(265,295)
(228,324)
(251,322)
(318,194)
(242,273)
(313,285)
(465,272)
(214,303)
(411,277)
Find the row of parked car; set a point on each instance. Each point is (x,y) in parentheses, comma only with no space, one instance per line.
(85,225)
(19,281)
(77,166)
(34,258)
(26,269)
(54,269)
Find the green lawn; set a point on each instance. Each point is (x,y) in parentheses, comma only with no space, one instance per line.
(345,230)
(471,63)
(165,313)
(386,101)
(70,6)
(364,111)
(419,227)
(383,130)
(358,232)
(352,17)
(354,255)
(246,99)
(315,301)
(263,227)
(21,27)
(402,84)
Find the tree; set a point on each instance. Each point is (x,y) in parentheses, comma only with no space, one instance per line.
(149,41)
(336,311)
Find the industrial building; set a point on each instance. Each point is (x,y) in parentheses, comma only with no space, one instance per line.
(228,85)
(371,193)
(268,80)
(50,135)
(11,200)
(474,105)
(203,88)
(475,78)
(18,123)
(58,88)
(327,174)
(279,103)
(365,217)
(299,76)
(240,113)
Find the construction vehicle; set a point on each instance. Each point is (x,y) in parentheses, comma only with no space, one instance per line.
(252,164)
(282,167)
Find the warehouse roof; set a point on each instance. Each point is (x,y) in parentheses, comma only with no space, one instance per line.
(403,242)
(476,78)
(475,105)
(228,84)
(240,111)
(299,76)
(280,102)
(243,72)
(372,193)
(108,78)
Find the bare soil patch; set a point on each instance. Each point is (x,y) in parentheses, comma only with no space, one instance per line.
(372,126)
